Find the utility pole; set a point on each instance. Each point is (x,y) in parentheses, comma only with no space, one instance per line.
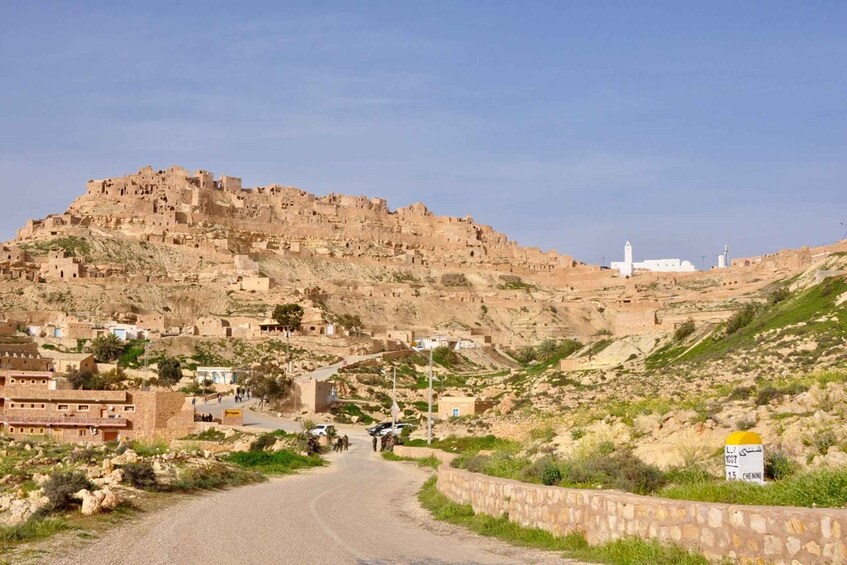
(429,411)
(395,409)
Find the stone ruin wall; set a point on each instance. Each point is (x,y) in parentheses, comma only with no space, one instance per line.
(172,197)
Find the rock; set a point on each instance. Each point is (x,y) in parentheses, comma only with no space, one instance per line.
(116,476)
(130,456)
(354,419)
(229,433)
(39,478)
(92,502)
(119,460)
(110,499)
(208,455)
(27,447)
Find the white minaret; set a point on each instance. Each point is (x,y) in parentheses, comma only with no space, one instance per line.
(723,258)
(626,268)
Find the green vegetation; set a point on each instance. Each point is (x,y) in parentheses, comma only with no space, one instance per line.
(106,348)
(445,356)
(131,353)
(823,488)
(72,246)
(684,330)
(33,529)
(149,448)
(169,371)
(60,489)
(212,434)
(344,412)
(276,463)
(517,285)
(470,445)
(140,475)
(811,312)
(606,468)
(214,476)
(431,461)
(628,551)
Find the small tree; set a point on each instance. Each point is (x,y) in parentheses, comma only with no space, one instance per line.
(350,322)
(268,382)
(289,317)
(107,348)
(684,330)
(170,371)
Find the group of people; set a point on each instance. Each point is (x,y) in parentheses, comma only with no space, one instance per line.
(341,443)
(242,394)
(203,418)
(386,442)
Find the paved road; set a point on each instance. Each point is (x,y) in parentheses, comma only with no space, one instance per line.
(360,509)
(327,372)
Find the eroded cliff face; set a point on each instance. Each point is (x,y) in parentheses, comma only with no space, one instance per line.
(166,203)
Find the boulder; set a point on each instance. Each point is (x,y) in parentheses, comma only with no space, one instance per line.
(111,500)
(92,502)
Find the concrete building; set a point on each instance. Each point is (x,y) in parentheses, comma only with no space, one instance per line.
(311,396)
(218,375)
(457,406)
(628,267)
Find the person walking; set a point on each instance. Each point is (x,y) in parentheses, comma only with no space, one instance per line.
(345,442)
(374,442)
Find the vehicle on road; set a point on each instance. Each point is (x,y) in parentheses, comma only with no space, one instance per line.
(322,430)
(375,430)
(400,427)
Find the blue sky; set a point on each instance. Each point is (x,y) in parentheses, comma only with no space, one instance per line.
(572,126)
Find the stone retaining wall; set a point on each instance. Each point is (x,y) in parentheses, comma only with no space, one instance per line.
(748,534)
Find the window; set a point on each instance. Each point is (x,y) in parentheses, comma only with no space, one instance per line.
(455,411)
(63,407)
(82,407)
(129,408)
(11,430)
(80,433)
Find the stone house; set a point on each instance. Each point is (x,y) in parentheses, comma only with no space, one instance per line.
(64,363)
(457,406)
(212,327)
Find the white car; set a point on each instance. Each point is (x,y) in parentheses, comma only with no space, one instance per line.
(400,427)
(322,430)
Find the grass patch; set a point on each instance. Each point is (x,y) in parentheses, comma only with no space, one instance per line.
(276,463)
(213,477)
(149,448)
(31,530)
(468,445)
(629,551)
(430,461)
(824,488)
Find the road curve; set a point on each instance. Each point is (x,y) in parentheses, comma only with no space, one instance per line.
(360,509)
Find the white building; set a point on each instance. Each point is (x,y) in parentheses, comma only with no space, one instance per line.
(217,375)
(627,267)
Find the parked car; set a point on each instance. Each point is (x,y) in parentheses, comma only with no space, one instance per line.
(400,427)
(375,430)
(322,430)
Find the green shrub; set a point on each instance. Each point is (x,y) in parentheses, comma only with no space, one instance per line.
(263,442)
(684,330)
(140,475)
(61,487)
(779,295)
(83,455)
(741,318)
(278,462)
(551,475)
(779,466)
(214,476)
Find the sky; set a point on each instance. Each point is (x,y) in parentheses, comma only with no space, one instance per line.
(573,126)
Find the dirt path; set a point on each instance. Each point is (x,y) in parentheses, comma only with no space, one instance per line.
(360,509)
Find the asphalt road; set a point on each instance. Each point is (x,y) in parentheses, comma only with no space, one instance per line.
(360,509)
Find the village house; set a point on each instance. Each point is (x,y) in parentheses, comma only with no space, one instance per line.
(458,406)
(64,363)
(34,402)
(218,375)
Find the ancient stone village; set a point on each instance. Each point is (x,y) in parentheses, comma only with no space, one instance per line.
(434,283)
(172,332)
